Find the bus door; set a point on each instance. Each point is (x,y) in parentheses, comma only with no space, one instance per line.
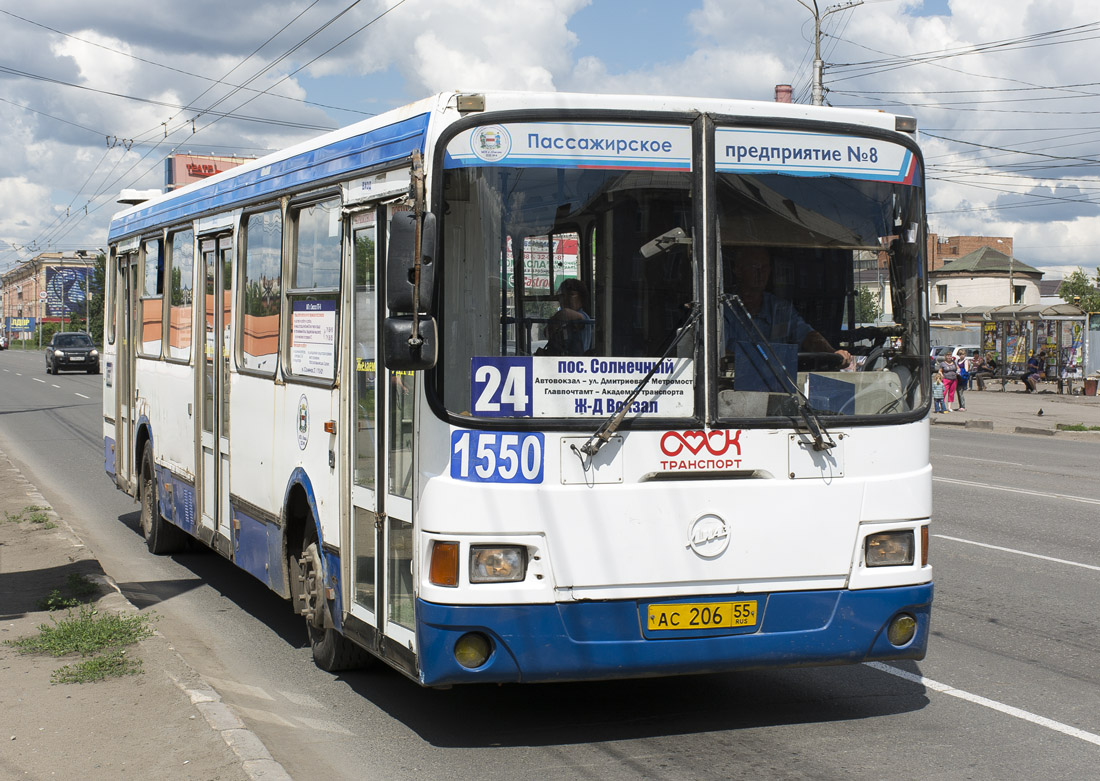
(382,448)
(128,287)
(213,388)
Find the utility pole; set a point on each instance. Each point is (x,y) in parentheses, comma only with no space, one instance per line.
(819,66)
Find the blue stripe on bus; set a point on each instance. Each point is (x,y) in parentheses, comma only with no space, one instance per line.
(382,145)
(604,640)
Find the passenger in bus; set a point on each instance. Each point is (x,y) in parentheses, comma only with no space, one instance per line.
(570,329)
(775,317)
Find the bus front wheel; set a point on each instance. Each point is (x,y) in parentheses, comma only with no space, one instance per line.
(332,651)
(160,536)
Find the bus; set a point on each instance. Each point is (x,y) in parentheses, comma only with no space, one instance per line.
(486,387)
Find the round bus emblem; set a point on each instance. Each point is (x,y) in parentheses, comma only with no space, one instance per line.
(708,536)
(491,143)
(303,423)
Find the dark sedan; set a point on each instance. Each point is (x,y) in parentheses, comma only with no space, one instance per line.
(72,351)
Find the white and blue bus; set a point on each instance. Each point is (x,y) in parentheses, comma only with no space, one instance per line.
(545,387)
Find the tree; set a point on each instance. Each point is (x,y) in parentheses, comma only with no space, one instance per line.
(867,308)
(96,283)
(1078,289)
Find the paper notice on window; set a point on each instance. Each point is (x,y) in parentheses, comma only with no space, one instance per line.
(313,339)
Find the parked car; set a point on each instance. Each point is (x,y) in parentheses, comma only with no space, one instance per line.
(3,342)
(951,349)
(72,350)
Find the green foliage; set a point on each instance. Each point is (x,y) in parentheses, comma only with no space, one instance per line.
(32,514)
(77,590)
(1078,289)
(100,640)
(95,299)
(113,664)
(867,306)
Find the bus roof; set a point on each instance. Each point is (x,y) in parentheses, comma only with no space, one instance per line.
(394,135)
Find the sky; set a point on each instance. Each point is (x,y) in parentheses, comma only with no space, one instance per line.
(94,96)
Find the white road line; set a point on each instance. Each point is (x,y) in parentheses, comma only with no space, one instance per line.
(54,386)
(1010,489)
(1000,707)
(983,460)
(1018,552)
(38,380)
(81,395)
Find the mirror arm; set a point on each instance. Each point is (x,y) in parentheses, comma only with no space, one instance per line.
(415,339)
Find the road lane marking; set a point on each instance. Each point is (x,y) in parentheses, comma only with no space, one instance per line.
(38,380)
(983,460)
(1010,489)
(1018,552)
(54,386)
(81,395)
(1000,707)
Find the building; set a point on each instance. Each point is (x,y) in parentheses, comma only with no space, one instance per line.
(944,249)
(51,287)
(984,277)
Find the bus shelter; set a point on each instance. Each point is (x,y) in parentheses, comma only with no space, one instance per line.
(1013,332)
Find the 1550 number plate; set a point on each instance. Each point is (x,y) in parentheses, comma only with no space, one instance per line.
(702,615)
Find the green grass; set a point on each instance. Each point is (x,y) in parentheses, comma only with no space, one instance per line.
(100,639)
(76,591)
(32,514)
(113,664)
(1077,427)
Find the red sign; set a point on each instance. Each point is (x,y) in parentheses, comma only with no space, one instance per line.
(701,450)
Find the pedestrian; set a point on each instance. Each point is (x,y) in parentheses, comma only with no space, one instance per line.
(950,380)
(1032,374)
(937,392)
(964,365)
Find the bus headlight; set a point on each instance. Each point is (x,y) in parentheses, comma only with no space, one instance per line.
(889,549)
(497,563)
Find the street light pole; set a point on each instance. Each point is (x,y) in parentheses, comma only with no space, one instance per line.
(819,65)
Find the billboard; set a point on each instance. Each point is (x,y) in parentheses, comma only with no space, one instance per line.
(19,324)
(185,169)
(66,289)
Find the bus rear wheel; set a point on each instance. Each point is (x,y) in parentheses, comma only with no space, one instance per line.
(160,536)
(332,651)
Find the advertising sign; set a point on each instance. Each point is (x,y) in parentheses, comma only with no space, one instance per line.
(19,324)
(65,290)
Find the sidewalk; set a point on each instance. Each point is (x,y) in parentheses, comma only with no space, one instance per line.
(1014,411)
(164,722)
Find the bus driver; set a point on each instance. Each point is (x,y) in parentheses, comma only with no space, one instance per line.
(775,317)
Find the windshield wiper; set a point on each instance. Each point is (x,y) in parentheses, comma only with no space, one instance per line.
(604,433)
(822,439)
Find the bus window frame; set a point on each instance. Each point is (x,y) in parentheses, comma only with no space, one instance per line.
(434,379)
(291,210)
(139,343)
(170,264)
(282,366)
(109,294)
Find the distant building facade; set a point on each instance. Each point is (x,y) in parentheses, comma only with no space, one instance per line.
(48,288)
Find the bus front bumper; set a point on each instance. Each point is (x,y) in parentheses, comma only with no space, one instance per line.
(606,640)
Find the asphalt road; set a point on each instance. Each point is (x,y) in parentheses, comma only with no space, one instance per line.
(1010,688)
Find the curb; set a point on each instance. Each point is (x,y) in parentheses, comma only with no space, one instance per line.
(1046,432)
(256,761)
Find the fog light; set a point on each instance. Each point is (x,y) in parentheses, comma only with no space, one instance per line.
(889,549)
(901,630)
(472,650)
(497,563)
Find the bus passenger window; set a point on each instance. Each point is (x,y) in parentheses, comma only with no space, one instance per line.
(262,292)
(152,300)
(181,262)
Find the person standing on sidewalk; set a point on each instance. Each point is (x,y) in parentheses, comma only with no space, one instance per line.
(937,392)
(950,380)
(964,368)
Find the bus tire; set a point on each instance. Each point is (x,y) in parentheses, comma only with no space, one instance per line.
(332,652)
(161,537)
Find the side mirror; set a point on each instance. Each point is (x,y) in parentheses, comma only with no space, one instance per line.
(401,263)
(398,354)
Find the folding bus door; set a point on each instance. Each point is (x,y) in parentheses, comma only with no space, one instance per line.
(213,388)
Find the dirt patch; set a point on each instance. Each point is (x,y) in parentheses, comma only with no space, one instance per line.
(138,726)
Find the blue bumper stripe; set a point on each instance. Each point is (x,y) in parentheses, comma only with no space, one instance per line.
(600,640)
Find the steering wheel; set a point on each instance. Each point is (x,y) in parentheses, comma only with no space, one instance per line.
(869,362)
(820,362)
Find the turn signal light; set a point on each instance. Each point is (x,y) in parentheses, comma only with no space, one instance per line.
(443,570)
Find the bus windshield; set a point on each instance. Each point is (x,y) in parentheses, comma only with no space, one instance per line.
(820,283)
(555,304)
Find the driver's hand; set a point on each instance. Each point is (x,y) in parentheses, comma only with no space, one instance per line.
(847,356)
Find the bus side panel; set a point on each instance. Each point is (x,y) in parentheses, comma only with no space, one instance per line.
(165,394)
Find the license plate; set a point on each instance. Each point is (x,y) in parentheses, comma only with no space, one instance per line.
(76,357)
(701,615)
